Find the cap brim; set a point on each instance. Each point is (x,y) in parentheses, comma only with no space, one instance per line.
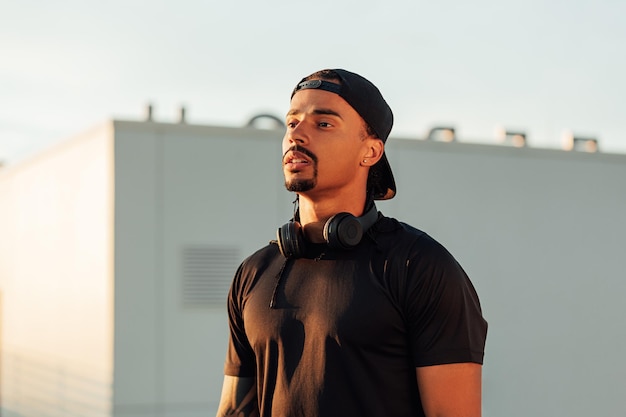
(383,184)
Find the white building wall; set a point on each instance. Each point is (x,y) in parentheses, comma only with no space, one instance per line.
(138,313)
(56,279)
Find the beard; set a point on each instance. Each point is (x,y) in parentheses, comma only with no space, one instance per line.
(300,185)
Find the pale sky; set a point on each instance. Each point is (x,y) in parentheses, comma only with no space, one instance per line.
(543,67)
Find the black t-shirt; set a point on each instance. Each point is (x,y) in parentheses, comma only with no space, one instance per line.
(349,327)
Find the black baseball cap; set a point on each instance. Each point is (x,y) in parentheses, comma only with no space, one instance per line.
(366,99)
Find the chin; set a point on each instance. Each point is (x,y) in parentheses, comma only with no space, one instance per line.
(300,185)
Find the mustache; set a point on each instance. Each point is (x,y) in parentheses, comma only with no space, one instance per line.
(305,151)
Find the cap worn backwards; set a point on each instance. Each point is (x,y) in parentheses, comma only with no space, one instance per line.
(366,99)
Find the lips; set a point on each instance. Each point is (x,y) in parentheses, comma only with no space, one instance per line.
(295,161)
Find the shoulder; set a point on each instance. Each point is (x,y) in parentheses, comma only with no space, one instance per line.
(405,241)
(261,259)
(252,270)
(412,258)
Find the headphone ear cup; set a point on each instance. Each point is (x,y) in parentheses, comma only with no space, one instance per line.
(343,231)
(290,240)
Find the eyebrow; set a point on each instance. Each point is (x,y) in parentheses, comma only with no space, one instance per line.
(320,111)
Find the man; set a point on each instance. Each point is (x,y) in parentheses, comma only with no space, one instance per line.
(349,312)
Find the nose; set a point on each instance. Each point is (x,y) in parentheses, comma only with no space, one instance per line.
(296,135)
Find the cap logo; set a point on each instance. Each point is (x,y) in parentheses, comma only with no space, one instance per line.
(310,84)
(321,84)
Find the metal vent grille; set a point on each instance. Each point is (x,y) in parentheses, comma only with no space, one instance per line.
(207,273)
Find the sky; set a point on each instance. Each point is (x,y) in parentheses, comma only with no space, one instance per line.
(544,67)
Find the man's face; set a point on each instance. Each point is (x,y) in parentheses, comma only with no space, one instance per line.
(323,145)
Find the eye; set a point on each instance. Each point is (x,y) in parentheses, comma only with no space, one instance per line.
(291,124)
(324,124)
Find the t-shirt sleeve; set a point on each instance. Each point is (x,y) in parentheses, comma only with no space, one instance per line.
(240,359)
(442,309)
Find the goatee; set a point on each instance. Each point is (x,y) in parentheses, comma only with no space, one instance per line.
(300,185)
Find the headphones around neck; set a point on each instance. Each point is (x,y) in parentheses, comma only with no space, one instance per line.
(341,231)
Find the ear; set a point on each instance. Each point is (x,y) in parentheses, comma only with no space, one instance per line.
(373,151)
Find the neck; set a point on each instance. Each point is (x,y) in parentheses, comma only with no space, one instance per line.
(314,213)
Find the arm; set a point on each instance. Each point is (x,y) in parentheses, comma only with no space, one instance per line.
(239,398)
(452,390)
